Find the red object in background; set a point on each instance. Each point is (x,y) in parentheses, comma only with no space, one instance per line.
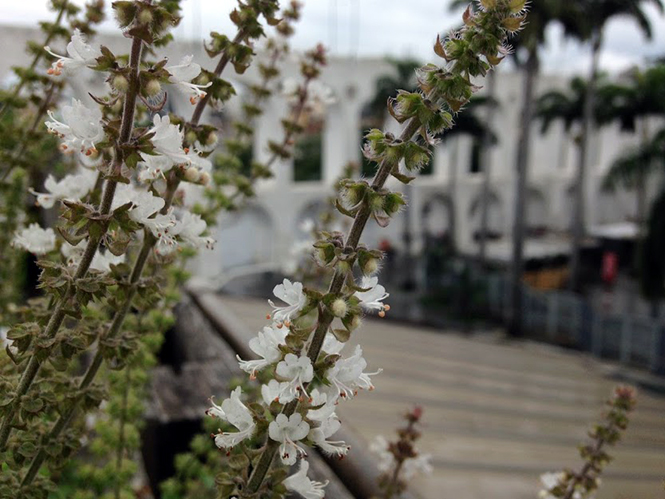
(610,267)
(385,246)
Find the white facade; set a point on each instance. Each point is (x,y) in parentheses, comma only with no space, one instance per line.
(264,232)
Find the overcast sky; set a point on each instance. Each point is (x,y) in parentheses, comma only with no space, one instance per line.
(389,27)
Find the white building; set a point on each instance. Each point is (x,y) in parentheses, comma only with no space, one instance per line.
(447,200)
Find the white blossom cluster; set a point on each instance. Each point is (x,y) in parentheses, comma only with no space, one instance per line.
(560,481)
(316,423)
(421,464)
(81,129)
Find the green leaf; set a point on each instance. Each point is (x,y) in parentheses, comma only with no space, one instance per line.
(33,405)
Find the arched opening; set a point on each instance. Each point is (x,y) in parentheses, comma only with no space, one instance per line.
(536,222)
(495,218)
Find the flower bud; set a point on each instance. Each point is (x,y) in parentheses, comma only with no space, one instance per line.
(145,16)
(326,254)
(190,138)
(339,308)
(153,88)
(204,179)
(124,12)
(352,195)
(393,203)
(343,266)
(376,202)
(120,83)
(212,139)
(369,266)
(516,6)
(192,174)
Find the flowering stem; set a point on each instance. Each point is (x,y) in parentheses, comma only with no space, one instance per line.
(37,57)
(223,61)
(96,364)
(139,264)
(56,320)
(326,317)
(570,491)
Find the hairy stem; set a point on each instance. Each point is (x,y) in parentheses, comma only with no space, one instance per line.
(223,61)
(139,264)
(58,316)
(326,317)
(96,364)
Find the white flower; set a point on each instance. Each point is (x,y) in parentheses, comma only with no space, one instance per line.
(379,446)
(292,294)
(332,345)
(288,431)
(266,346)
(80,128)
(551,481)
(167,140)
(319,93)
(35,239)
(372,299)
(236,413)
(102,261)
(166,242)
(182,75)
(199,162)
(326,409)
(145,211)
(144,205)
(216,411)
(190,227)
(301,484)
(80,55)
(421,464)
(71,187)
(272,391)
(297,371)
(410,467)
(325,430)
(347,376)
(153,167)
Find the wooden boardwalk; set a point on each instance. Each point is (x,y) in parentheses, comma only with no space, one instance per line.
(497,414)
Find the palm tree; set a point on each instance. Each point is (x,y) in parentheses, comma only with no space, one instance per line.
(586,20)
(469,124)
(526,45)
(634,104)
(568,107)
(629,170)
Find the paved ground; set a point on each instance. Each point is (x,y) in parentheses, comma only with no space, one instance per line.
(497,414)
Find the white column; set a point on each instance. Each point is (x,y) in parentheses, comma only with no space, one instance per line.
(334,142)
